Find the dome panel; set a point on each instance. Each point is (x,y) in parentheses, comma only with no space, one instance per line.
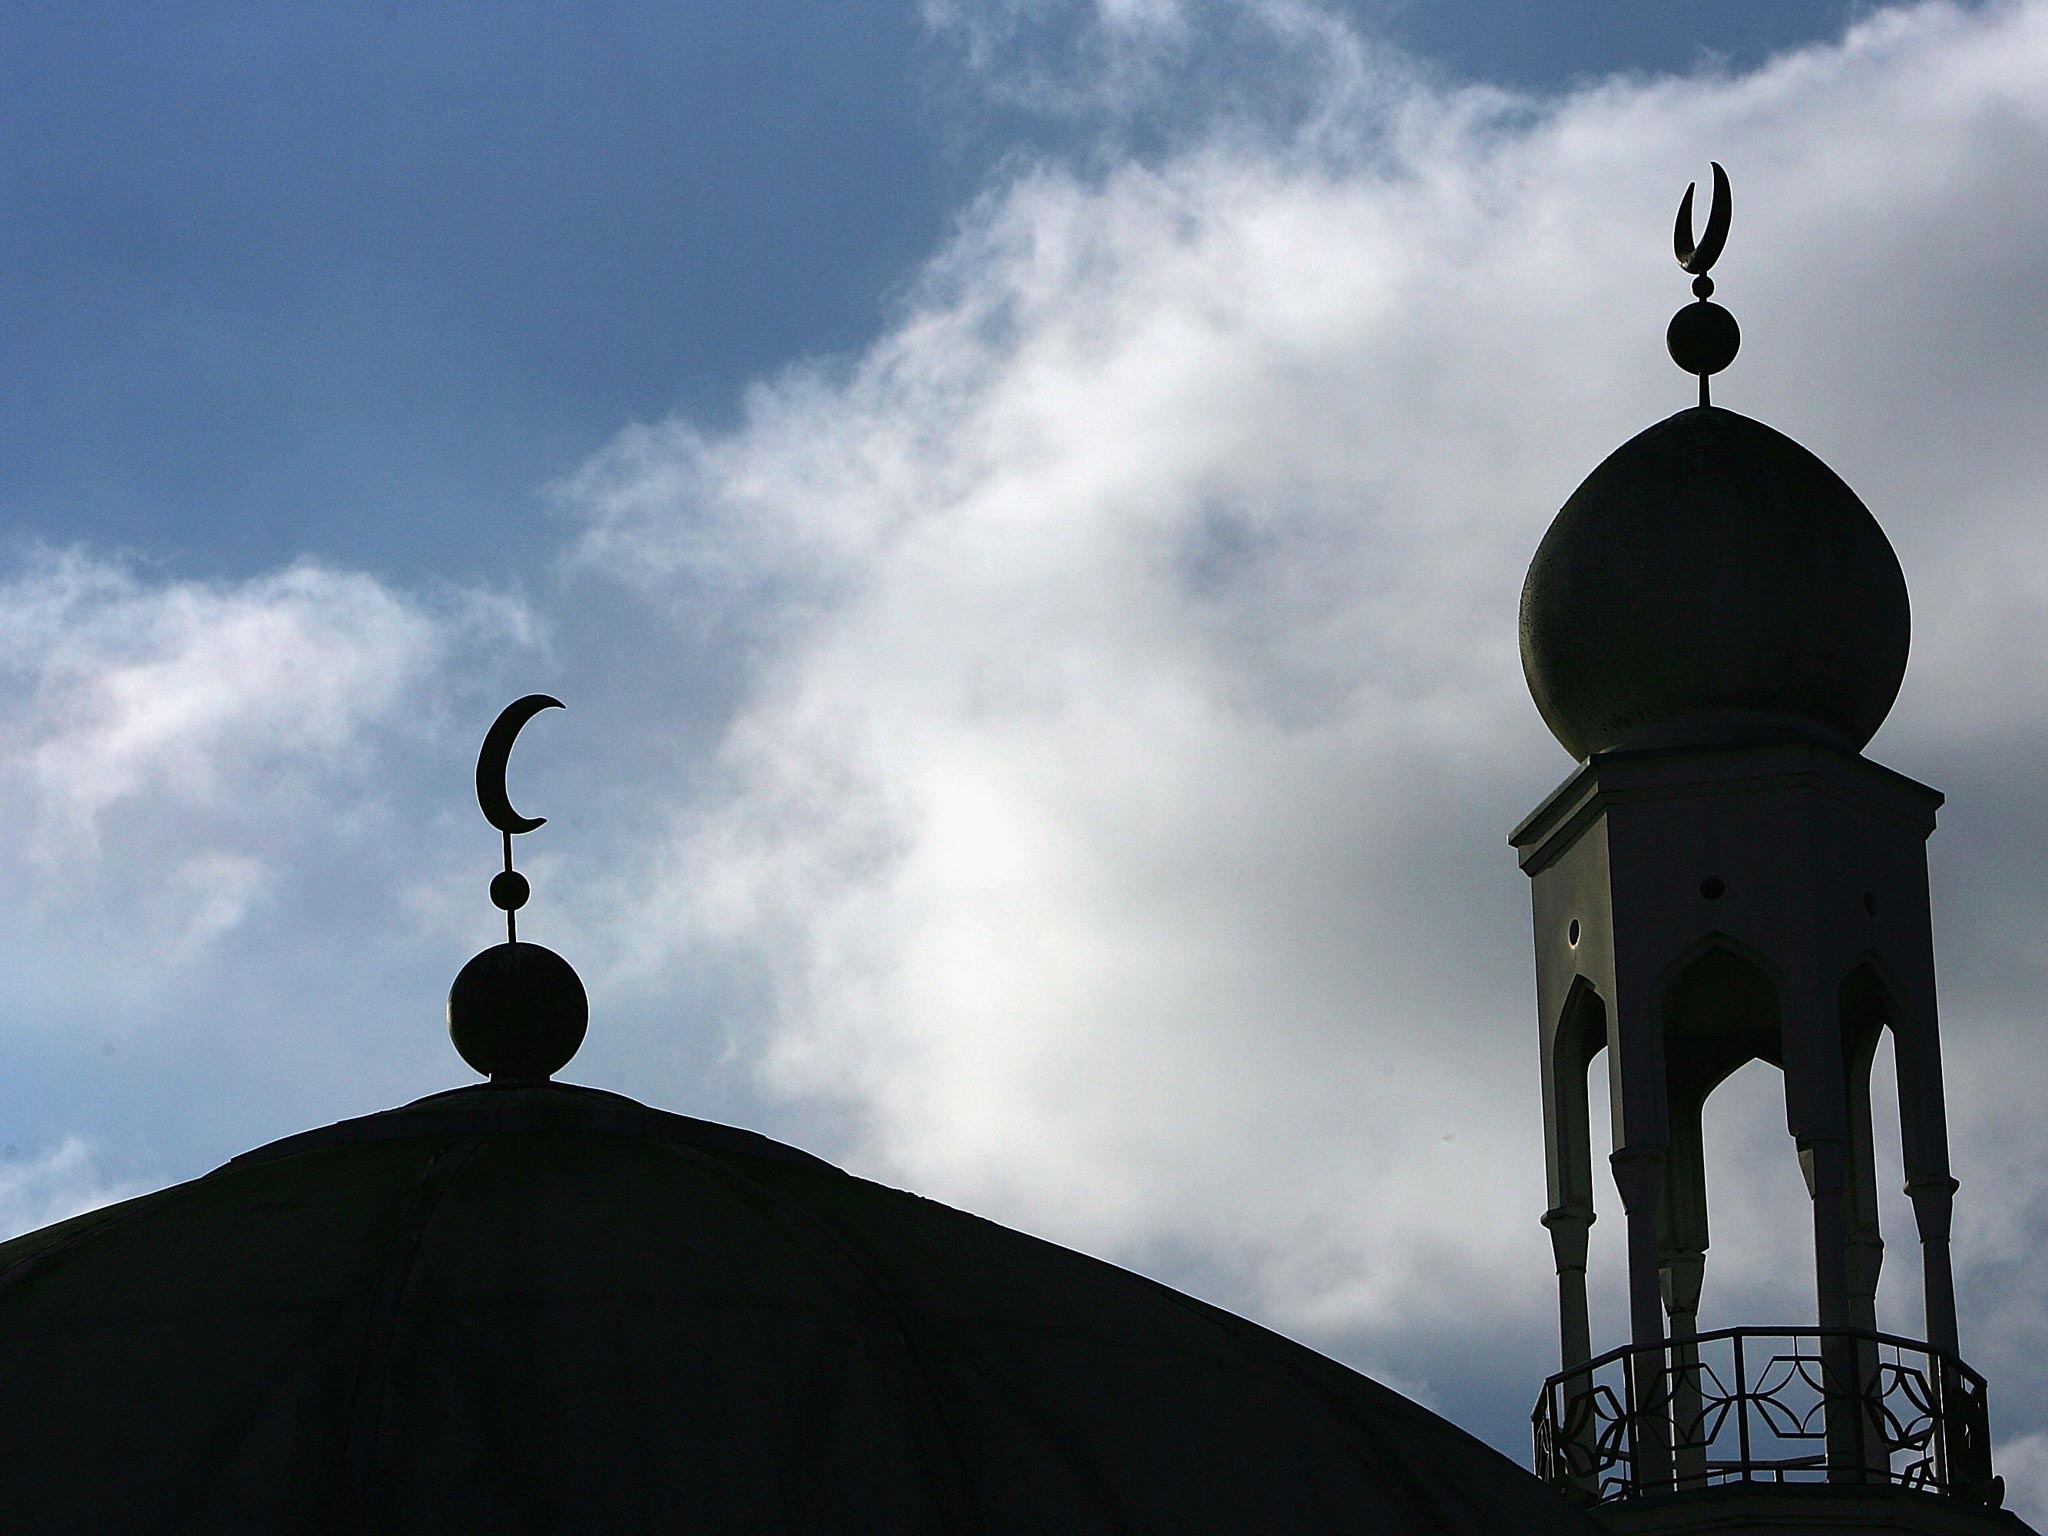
(162,1360)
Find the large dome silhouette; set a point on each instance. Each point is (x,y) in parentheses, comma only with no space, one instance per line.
(537,1307)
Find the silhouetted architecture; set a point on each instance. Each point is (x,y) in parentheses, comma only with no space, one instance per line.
(522,1308)
(1715,626)
(526,1307)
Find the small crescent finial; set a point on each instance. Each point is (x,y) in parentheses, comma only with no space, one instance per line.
(1703,337)
(1698,259)
(509,889)
(517,1011)
(496,756)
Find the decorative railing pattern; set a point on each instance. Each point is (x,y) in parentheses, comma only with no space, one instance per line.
(1766,1406)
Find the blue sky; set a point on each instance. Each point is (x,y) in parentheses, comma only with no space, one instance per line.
(1025,500)
(356,281)
(327,279)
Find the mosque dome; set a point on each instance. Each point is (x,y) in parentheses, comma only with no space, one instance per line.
(527,1306)
(1713,583)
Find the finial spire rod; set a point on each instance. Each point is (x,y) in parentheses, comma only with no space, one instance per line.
(512,912)
(1703,337)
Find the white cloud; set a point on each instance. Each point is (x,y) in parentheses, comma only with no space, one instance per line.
(1129,72)
(1117,803)
(185,692)
(2023,1463)
(170,750)
(65,1181)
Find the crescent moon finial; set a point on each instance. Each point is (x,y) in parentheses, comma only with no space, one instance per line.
(517,1011)
(492,761)
(1697,258)
(509,889)
(1703,337)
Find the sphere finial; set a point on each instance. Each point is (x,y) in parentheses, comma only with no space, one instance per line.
(1703,337)
(516,1010)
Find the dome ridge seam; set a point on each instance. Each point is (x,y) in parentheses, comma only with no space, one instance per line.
(782,1204)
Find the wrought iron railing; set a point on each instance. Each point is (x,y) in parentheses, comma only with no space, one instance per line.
(1756,1405)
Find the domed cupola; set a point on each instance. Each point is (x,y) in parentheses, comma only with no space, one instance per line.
(1713,583)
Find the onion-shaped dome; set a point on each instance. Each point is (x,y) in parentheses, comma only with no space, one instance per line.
(1713,583)
(540,1308)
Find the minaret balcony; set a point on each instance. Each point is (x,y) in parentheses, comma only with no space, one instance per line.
(1766,1409)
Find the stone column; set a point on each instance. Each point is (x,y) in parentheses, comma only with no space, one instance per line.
(1682,1265)
(1933,1209)
(1825,1162)
(1683,1272)
(1568,1226)
(1865,1239)
(1639,1175)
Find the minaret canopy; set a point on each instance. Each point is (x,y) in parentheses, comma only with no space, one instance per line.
(1713,583)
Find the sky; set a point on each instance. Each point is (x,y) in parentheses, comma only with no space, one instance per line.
(1025,501)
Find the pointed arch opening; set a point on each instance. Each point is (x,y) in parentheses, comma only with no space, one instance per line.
(1724,1040)
(1579,1036)
(1873,1011)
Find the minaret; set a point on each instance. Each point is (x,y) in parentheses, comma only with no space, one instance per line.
(1714,627)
